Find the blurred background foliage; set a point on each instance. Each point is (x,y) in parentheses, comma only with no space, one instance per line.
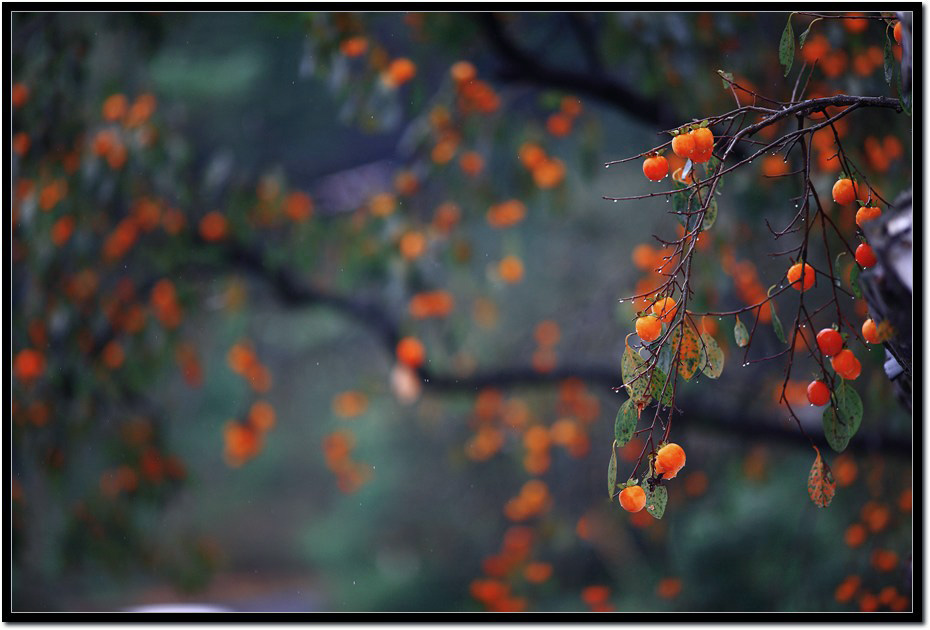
(223,225)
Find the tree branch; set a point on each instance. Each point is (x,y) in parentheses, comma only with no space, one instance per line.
(295,293)
(519,65)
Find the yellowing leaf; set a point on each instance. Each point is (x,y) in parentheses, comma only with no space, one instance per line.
(740,333)
(689,357)
(820,483)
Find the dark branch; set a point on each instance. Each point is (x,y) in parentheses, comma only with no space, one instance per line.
(295,293)
(519,65)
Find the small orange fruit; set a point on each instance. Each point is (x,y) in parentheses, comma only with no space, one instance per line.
(818,393)
(669,460)
(633,498)
(398,72)
(865,256)
(213,227)
(866,213)
(664,309)
(870,331)
(794,275)
(463,71)
(354,46)
(655,168)
(648,328)
(683,145)
(829,341)
(410,352)
(897,32)
(846,364)
(844,191)
(703,140)
(699,157)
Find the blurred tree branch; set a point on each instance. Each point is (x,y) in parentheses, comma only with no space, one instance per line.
(521,65)
(293,292)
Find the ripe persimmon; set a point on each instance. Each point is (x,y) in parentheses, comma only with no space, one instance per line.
(866,214)
(703,140)
(213,226)
(669,460)
(683,145)
(28,364)
(794,275)
(655,168)
(818,393)
(897,32)
(398,72)
(633,498)
(865,256)
(846,364)
(664,309)
(870,331)
(844,191)
(829,341)
(410,352)
(648,327)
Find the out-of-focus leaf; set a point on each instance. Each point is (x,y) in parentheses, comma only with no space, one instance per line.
(612,471)
(889,61)
(786,46)
(740,333)
(726,78)
(776,325)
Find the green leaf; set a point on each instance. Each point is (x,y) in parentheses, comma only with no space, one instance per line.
(820,483)
(710,215)
(849,406)
(842,418)
(713,357)
(776,324)
(690,354)
(631,367)
(658,384)
(803,37)
(889,61)
(726,78)
(740,333)
(786,46)
(612,472)
(836,432)
(656,500)
(625,424)
(854,280)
